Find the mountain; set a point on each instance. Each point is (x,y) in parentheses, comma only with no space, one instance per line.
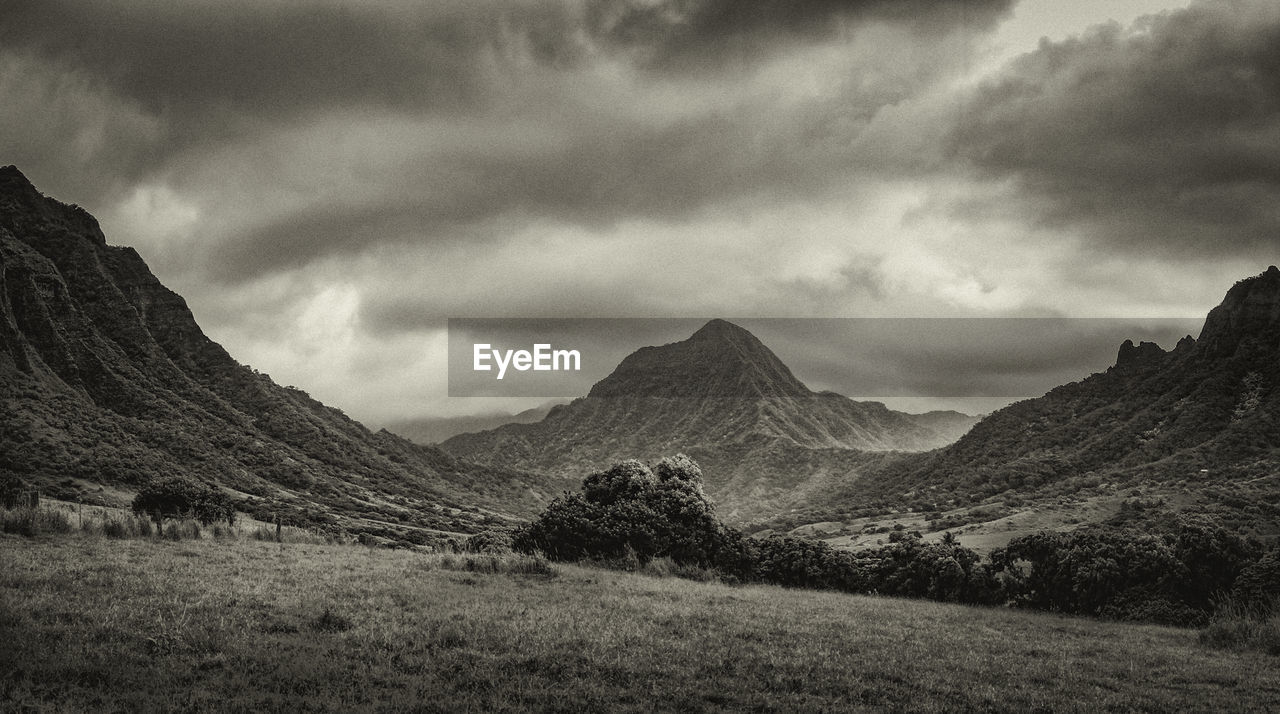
(725,399)
(1196,426)
(433,430)
(107,380)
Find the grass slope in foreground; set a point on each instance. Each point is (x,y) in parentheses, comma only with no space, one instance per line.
(89,623)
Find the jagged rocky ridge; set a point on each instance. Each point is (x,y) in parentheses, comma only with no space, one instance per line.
(1203,416)
(726,399)
(107,380)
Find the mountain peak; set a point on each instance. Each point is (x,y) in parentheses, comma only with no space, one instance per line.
(12,181)
(1250,311)
(721,359)
(718,329)
(27,212)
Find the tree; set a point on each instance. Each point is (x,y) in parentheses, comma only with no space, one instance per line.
(177,497)
(634,509)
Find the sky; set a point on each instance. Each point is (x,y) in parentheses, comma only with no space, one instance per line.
(328,182)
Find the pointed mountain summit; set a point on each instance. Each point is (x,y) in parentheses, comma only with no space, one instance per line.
(724,398)
(719,360)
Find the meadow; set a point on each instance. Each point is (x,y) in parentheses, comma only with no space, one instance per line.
(238,624)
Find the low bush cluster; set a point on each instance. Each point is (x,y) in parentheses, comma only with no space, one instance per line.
(30,521)
(1120,573)
(177,497)
(632,515)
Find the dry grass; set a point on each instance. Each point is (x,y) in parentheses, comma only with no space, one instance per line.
(241,625)
(1242,627)
(54,516)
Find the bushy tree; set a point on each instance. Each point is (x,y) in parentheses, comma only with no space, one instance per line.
(944,571)
(1258,586)
(634,509)
(1083,571)
(802,563)
(1173,577)
(177,497)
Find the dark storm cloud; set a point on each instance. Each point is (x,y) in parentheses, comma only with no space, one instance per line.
(1156,141)
(605,169)
(272,59)
(194,81)
(678,34)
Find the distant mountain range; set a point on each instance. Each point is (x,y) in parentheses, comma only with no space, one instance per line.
(107,380)
(726,399)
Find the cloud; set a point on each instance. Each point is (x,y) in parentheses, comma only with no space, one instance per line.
(1161,138)
(679,35)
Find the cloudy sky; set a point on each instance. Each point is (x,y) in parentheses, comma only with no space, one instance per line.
(326,182)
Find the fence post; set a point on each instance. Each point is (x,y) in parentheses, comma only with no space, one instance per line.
(278,540)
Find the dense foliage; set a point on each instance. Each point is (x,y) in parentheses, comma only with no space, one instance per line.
(1174,576)
(632,510)
(177,497)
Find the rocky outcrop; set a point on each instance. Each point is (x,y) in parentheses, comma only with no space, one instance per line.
(1249,316)
(1145,352)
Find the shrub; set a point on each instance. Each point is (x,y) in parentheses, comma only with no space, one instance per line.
(802,563)
(12,489)
(489,541)
(185,529)
(1171,578)
(29,521)
(125,527)
(1258,586)
(1241,626)
(177,497)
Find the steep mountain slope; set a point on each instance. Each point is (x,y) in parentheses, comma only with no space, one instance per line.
(724,398)
(107,380)
(1200,421)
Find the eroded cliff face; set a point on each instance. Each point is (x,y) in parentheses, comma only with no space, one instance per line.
(1248,317)
(108,380)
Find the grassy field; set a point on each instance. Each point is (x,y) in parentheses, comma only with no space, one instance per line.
(89,623)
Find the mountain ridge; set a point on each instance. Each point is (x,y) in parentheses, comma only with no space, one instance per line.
(107,380)
(1198,424)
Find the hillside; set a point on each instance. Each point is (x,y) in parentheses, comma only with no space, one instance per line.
(1197,425)
(107,380)
(333,628)
(725,399)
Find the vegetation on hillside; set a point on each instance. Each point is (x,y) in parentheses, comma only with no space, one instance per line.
(1173,577)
